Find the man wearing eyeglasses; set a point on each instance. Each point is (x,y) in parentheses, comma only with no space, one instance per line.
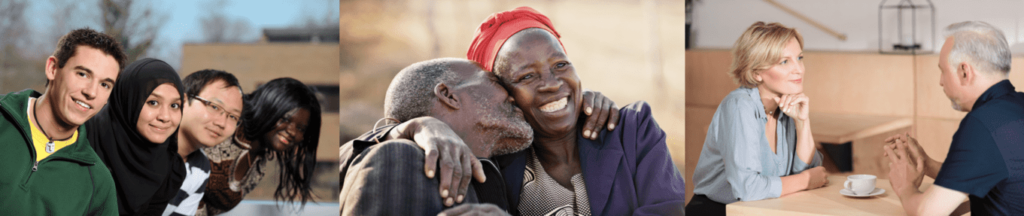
(210,117)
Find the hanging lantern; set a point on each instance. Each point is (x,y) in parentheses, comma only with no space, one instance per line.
(906,27)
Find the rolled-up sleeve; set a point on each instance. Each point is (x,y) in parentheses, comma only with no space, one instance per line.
(800,166)
(739,139)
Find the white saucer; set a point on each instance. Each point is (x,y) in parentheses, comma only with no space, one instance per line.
(849,193)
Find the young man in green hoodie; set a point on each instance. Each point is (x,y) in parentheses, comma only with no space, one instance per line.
(46,164)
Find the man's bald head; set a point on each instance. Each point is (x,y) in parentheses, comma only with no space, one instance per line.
(411,93)
(466,97)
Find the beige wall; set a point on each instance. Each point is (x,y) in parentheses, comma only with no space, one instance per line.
(253,64)
(840,83)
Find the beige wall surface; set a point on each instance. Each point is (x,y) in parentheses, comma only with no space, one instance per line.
(253,64)
(848,83)
(859,83)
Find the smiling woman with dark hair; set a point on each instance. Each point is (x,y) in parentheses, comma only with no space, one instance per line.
(281,122)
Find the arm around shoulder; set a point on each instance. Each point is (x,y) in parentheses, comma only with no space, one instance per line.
(387,180)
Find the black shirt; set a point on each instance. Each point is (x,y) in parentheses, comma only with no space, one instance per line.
(986,158)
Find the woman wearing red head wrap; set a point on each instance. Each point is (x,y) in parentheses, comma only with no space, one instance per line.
(627,171)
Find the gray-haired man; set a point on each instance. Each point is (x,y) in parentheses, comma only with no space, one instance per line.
(986,159)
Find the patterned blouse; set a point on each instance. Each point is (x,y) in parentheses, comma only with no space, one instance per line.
(224,192)
(542,195)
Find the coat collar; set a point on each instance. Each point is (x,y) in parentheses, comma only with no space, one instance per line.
(600,164)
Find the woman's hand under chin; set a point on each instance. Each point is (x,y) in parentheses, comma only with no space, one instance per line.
(796,106)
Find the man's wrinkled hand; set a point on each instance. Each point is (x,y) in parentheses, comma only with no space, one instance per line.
(445,150)
(599,110)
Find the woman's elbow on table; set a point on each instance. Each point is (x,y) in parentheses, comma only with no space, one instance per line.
(751,187)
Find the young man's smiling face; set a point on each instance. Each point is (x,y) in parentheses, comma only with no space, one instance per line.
(80,89)
(211,124)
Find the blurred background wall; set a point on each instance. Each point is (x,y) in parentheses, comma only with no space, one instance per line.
(843,78)
(627,50)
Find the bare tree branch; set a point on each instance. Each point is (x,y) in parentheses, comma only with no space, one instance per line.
(136,26)
(218,27)
(18,68)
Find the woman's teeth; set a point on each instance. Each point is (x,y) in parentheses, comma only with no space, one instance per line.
(555,106)
(283,139)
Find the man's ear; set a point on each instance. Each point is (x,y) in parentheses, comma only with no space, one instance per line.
(51,68)
(966,73)
(446,96)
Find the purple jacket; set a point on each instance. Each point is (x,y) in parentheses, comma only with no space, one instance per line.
(628,171)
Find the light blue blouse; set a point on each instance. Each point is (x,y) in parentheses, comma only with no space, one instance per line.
(736,163)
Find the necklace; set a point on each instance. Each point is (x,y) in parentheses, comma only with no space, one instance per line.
(50,147)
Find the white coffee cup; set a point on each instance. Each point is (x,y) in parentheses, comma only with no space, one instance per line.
(861,184)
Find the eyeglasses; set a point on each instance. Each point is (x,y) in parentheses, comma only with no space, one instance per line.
(219,110)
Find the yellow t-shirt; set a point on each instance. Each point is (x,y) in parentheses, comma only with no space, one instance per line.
(39,139)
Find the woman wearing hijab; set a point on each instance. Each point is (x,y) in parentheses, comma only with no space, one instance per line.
(134,135)
(280,122)
(625,171)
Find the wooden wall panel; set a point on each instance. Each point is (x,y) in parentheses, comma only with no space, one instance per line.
(707,77)
(935,135)
(697,121)
(850,83)
(858,83)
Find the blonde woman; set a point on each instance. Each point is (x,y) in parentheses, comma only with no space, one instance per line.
(759,143)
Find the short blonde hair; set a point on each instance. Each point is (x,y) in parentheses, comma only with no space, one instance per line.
(759,48)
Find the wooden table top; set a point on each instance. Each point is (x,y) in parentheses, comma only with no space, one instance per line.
(841,128)
(826,201)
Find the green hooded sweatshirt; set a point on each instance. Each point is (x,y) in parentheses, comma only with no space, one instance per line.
(71,181)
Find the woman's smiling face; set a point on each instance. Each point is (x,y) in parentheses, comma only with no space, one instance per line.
(534,69)
(161,114)
(290,129)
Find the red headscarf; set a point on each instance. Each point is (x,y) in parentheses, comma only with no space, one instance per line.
(498,27)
